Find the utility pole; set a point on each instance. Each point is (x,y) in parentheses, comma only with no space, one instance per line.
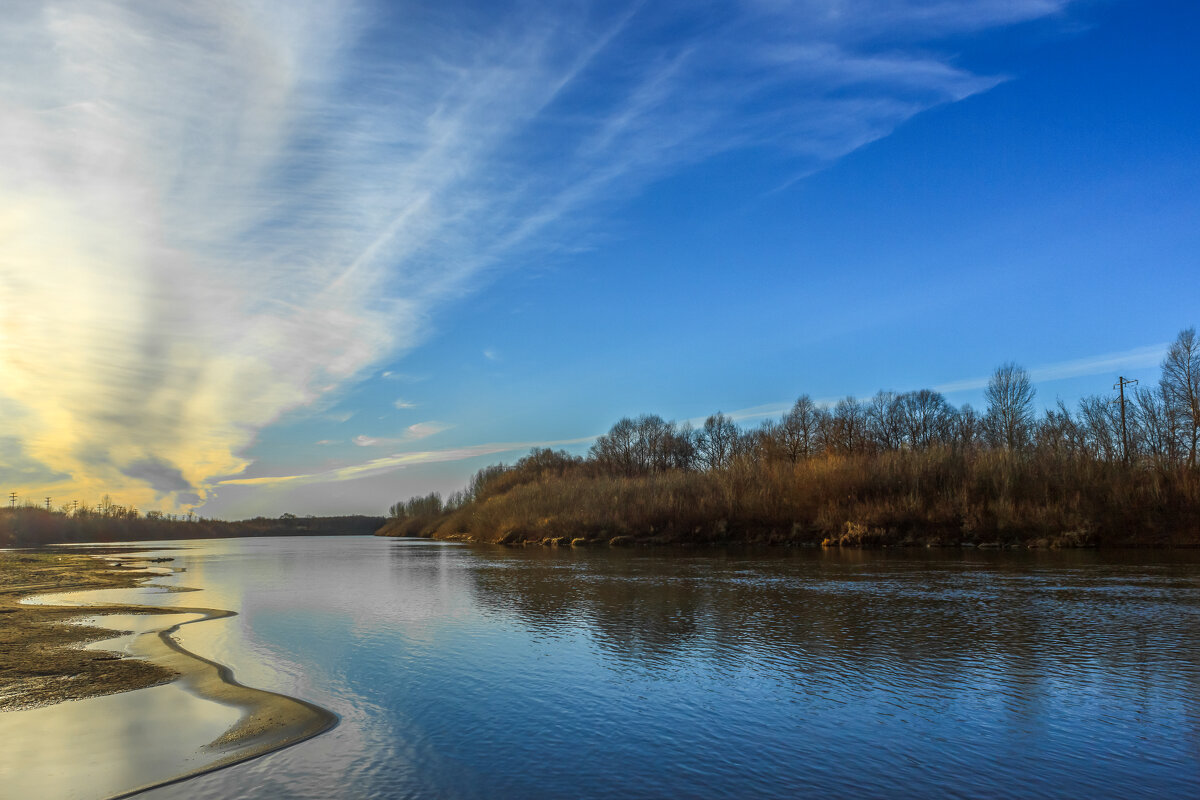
(12,500)
(74,507)
(47,503)
(1121,383)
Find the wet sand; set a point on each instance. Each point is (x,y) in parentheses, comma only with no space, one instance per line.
(43,659)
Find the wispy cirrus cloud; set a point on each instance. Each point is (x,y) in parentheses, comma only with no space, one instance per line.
(384,464)
(213,213)
(1137,358)
(1105,363)
(412,433)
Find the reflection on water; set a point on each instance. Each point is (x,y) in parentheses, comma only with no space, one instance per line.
(121,743)
(490,672)
(106,745)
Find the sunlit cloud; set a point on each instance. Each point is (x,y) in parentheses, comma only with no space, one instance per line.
(393,462)
(402,377)
(421,430)
(215,213)
(403,405)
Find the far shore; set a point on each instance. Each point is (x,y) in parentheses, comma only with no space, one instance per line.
(42,660)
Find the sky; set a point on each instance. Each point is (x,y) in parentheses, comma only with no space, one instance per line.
(316,257)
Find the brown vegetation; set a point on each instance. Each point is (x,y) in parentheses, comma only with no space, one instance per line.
(898,469)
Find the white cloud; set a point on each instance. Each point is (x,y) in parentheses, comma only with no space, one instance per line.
(1138,357)
(398,461)
(420,430)
(402,377)
(423,430)
(213,213)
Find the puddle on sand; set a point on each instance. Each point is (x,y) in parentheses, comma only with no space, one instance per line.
(128,627)
(113,745)
(104,746)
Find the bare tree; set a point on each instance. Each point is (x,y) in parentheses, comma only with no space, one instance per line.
(653,444)
(615,451)
(1009,395)
(1100,427)
(925,418)
(965,427)
(683,447)
(1157,430)
(1181,388)
(800,429)
(847,427)
(884,421)
(1059,432)
(638,446)
(716,441)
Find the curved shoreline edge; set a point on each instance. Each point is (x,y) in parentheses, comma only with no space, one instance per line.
(270,721)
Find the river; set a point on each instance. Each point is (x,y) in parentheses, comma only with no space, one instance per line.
(485,672)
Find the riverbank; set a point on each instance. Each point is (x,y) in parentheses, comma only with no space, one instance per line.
(942,496)
(43,660)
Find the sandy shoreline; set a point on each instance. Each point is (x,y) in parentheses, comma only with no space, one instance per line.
(45,662)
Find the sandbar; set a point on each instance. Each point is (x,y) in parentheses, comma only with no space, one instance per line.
(43,660)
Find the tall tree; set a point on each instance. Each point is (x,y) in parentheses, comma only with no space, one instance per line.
(847,427)
(1157,430)
(965,427)
(1009,396)
(1100,428)
(717,440)
(800,429)
(926,418)
(884,422)
(616,451)
(1181,387)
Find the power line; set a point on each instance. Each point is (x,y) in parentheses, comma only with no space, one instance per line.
(1121,383)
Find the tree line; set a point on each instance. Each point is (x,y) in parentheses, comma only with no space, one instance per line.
(1089,444)
(31,526)
(1162,426)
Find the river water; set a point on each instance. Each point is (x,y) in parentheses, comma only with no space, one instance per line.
(469,671)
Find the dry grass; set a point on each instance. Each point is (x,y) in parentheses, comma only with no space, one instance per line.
(938,496)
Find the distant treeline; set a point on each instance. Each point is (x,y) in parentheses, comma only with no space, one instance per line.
(28,526)
(904,468)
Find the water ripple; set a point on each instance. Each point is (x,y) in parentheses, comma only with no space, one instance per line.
(486,672)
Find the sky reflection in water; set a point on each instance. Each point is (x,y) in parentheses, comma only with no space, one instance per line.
(489,672)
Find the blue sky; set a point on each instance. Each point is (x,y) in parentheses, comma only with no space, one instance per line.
(389,243)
